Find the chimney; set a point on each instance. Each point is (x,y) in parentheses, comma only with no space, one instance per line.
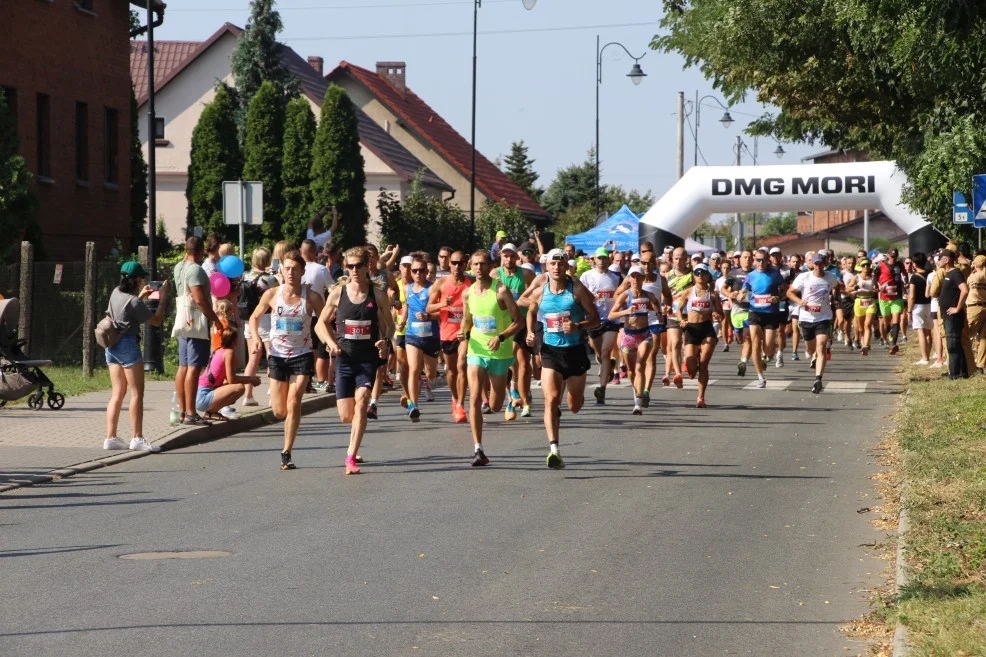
(393,72)
(317,63)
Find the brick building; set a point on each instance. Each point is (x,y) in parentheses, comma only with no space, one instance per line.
(65,71)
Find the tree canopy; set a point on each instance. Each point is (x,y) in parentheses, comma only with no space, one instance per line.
(898,80)
(215,157)
(18,204)
(296,167)
(520,168)
(263,151)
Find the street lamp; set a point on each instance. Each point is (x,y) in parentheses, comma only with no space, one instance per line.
(528,5)
(636,75)
(726,120)
(780,152)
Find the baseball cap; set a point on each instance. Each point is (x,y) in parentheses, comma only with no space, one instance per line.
(556,254)
(529,267)
(133,269)
(508,247)
(948,253)
(668,249)
(715,256)
(879,258)
(701,267)
(571,263)
(818,259)
(774,250)
(406,260)
(602,252)
(635,270)
(736,254)
(501,233)
(635,257)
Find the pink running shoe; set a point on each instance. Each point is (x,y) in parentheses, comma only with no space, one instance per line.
(351,466)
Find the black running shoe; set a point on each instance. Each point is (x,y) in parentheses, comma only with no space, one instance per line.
(286,462)
(817,386)
(480,459)
(814,359)
(600,394)
(555,461)
(371,411)
(414,414)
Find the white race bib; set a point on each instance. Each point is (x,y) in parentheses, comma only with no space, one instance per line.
(357,329)
(554,322)
(421,329)
(484,324)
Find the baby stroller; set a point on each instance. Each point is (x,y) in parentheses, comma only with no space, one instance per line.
(19,376)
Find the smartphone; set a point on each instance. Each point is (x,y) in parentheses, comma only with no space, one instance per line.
(155,285)
(275,264)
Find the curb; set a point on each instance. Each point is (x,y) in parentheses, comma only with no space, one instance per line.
(900,575)
(177,439)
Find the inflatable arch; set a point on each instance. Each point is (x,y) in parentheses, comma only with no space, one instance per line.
(703,191)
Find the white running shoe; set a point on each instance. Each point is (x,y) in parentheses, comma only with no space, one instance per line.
(229,413)
(141,445)
(922,362)
(779,360)
(761,383)
(114,443)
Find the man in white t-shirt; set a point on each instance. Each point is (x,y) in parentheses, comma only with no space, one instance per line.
(316,228)
(319,280)
(602,283)
(812,291)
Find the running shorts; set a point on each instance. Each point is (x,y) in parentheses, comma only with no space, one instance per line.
(848,307)
(495,366)
(633,338)
(431,346)
(811,330)
(892,307)
(740,318)
(282,369)
(567,361)
(605,326)
(699,332)
(450,347)
(353,374)
(768,321)
(864,307)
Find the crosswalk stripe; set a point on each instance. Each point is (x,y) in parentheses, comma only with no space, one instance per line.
(843,387)
(771,385)
(692,384)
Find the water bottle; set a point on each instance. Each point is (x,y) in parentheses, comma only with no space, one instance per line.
(175,413)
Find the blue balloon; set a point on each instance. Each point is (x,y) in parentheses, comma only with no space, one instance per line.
(231,266)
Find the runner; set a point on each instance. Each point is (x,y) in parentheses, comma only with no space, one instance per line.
(740,312)
(356,327)
(846,301)
(794,310)
(445,301)
(726,331)
(764,288)
(490,321)
(404,281)
(813,291)
(701,309)
(634,306)
(517,279)
(889,278)
(382,280)
(777,261)
(862,288)
(291,363)
(679,281)
(443,269)
(568,307)
(422,338)
(602,284)
(655,284)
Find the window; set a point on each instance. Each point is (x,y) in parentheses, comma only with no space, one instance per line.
(81,142)
(111,143)
(158,128)
(44,136)
(10,95)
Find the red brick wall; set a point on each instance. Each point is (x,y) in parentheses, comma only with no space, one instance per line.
(825,219)
(52,47)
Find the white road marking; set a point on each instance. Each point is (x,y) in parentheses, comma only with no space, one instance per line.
(842,387)
(771,385)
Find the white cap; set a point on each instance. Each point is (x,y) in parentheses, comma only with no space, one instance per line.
(543,259)
(529,267)
(406,260)
(736,254)
(701,267)
(571,263)
(635,257)
(614,268)
(668,249)
(508,247)
(698,255)
(879,258)
(715,256)
(774,250)
(556,254)
(635,270)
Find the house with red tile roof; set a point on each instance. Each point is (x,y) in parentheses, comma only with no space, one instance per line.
(186,74)
(385,97)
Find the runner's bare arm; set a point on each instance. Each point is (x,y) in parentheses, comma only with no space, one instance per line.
(534,302)
(617,311)
(536,284)
(466,324)
(262,307)
(435,301)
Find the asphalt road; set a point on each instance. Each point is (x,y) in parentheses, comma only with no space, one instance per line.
(731,530)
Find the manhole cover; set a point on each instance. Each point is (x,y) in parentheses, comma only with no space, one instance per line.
(188,554)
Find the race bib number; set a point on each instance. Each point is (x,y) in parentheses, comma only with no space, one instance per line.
(555,322)
(866,303)
(421,329)
(761,299)
(640,305)
(455,314)
(701,304)
(604,294)
(813,307)
(288,324)
(891,291)
(357,329)
(484,324)
(516,295)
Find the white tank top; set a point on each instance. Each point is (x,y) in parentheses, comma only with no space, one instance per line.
(864,284)
(654,318)
(290,326)
(701,305)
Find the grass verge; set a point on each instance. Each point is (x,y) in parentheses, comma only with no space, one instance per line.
(71,381)
(942,439)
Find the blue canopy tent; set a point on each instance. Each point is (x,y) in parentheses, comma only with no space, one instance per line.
(622,227)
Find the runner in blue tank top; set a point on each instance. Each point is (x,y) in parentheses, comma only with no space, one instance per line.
(422,339)
(568,308)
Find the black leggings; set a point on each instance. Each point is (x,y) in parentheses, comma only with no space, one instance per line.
(953,344)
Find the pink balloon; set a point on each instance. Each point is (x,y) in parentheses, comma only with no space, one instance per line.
(219,284)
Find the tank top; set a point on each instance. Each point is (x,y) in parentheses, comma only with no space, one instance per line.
(357,327)
(654,318)
(450,317)
(488,321)
(556,308)
(864,284)
(889,279)
(701,305)
(417,302)
(402,295)
(515,283)
(217,368)
(290,326)
(678,283)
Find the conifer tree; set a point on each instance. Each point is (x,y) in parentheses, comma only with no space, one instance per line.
(296,167)
(18,204)
(215,157)
(262,154)
(520,169)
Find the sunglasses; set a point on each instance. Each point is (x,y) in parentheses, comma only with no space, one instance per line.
(354,266)
(456,262)
(420,270)
(527,252)
(558,259)
(758,260)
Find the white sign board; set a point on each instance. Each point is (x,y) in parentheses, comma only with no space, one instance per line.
(243,203)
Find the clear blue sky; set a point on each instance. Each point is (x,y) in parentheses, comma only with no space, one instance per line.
(536,76)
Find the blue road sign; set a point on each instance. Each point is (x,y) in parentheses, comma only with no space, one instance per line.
(978,200)
(961,214)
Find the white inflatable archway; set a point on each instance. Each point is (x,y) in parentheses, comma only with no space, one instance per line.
(703,191)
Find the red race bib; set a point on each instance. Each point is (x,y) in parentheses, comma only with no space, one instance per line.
(455,314)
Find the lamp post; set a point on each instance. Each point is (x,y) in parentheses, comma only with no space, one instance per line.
(726,120)
(636,74)
(528,5)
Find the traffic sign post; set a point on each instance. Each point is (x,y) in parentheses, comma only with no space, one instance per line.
(979,200)
(961,213)
(243,205)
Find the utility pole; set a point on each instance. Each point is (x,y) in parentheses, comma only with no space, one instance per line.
(681,134)
(739,215)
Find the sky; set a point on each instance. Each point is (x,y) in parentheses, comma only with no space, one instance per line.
(536,76)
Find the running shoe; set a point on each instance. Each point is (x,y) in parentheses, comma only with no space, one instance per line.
(554,461)
(525,411)
(725,349)
(600,395)
(700,403)
(937,364)
(479,459)
(666,380)
(404,400)
(903,339)
(459,413)
(351,465)
(779,360)
(859,345)
(816,387)
(286,462)
(814,360)
(828,352)
(115,443)
(371,411)
(850,345)
(894,350)
(616,378)
(883,343)
(678,381)
(486,408)
(515,395)
(536,383)
(429,395)
(741,369)
(865,351)
(138,444)
(763,360)
(637,410)
(510,414)
(761,383)
(320,386)
(413,413)
(922,362)
(250,402)
(645,399)
(795,356)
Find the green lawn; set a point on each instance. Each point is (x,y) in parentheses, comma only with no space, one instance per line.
(942,435)
(69,379)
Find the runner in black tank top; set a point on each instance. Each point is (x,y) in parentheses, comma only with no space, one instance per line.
(358,329)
